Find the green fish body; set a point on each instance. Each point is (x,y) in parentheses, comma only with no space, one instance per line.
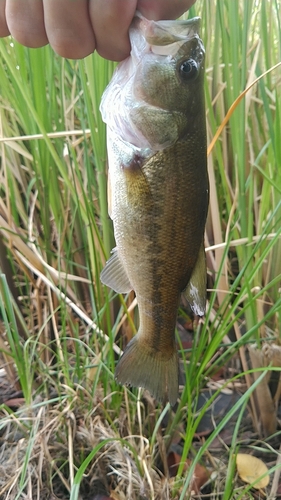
(155,115)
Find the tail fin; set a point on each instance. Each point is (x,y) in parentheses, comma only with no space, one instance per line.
(140,366)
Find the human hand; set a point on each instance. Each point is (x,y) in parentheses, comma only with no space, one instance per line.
(75,28)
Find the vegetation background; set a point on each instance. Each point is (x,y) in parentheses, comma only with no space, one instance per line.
(67,429)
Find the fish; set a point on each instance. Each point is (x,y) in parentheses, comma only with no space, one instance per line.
(154,111)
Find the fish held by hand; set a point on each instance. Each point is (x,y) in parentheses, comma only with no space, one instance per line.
(156,140)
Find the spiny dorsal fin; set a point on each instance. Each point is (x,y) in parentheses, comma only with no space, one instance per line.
(114,274)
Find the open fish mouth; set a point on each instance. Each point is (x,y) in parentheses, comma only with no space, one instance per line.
(162,37)
(166,32)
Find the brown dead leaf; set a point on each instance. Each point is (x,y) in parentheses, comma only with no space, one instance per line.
(200,476)
(250,469)
(218,373)
(102,497)
(14,402)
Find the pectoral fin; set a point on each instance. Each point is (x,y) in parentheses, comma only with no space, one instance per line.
(195,292)
(114,274)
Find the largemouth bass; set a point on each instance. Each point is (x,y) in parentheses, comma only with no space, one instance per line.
(156,139)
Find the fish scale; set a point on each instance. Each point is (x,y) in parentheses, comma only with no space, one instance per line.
(159,203)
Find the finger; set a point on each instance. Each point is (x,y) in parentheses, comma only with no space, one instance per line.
(111,25)
(69,28)
(25,20)
(4,30)
(159,9)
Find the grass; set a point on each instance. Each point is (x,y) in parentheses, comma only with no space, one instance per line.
(70,427)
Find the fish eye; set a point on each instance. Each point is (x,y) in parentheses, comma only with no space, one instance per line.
(188,69)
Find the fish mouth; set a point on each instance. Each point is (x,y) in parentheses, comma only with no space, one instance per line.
(164,38)
(162,33)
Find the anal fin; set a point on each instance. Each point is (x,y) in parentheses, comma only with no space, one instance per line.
(195,292)
(114,274)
